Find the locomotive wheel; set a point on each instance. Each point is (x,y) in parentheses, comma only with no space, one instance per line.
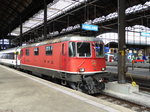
(76,86)
(80,87)
(73,85)
(101,86)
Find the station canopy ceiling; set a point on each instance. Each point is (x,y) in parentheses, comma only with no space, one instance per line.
(11,11)
(67,15)
(53,10)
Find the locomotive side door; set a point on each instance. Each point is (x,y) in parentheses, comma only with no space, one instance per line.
(63,57)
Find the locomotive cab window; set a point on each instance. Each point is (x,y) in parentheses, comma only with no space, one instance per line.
(99,49)
(72,49)
(83,49)
(36,51)
(49,50)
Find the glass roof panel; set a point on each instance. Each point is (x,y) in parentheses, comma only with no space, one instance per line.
(55,9)
(60,5)
(52,11)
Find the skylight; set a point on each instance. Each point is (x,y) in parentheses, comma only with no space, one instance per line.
(137,35)
(61,6)
(53,10)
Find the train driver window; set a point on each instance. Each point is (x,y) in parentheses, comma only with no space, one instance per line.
(72,49)
(49,50)
(27,52)
(83,49)
(99,48)
(36,51)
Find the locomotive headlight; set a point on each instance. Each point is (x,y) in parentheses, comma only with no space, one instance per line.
(81,69)
(103,69)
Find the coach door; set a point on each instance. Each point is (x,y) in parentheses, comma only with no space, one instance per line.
(16,58)
(63,55)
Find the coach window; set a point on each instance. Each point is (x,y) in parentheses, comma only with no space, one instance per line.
(36,51)
(49,50)
(4,56)
(72,49)
(83,49)
(27,52)
(10,56)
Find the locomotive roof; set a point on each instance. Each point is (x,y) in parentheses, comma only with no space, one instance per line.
(65,38)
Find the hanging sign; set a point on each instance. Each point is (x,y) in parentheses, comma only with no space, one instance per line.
(89,27)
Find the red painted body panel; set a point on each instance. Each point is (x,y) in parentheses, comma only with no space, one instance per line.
(89,64)
(42,60)
(60,60)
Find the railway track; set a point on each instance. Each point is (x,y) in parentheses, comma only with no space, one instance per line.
(145,89)
(117,101)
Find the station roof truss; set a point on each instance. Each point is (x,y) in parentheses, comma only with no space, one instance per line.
(66,16)
(12,12)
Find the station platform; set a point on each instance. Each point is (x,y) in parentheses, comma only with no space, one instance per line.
(21,92)
(136,65)
(138,71)
(135,71)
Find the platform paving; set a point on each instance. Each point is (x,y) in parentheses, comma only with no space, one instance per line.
(21,92)
(135,71)
(136,65)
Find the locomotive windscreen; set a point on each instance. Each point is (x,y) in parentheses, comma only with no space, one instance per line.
(83,49)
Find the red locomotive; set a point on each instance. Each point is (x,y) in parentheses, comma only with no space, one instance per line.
(76,60)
